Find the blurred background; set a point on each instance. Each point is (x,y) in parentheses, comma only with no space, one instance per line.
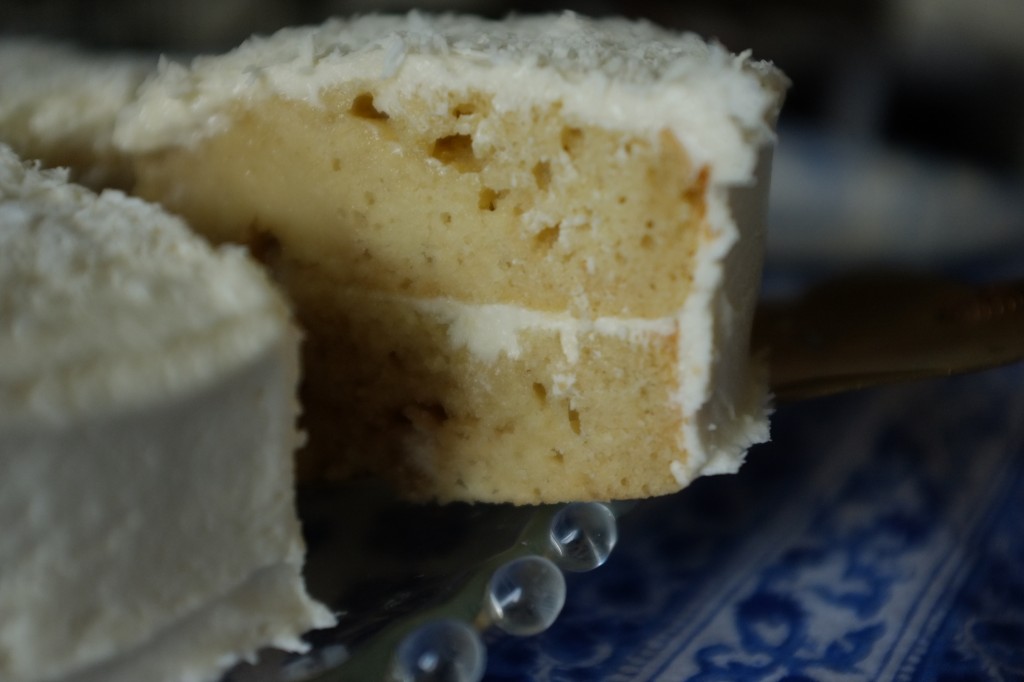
(901,143)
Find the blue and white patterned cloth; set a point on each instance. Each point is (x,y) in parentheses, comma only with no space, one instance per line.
(879,536)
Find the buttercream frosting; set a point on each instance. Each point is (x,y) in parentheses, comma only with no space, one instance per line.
(103,299)
(147,427)
(613,73)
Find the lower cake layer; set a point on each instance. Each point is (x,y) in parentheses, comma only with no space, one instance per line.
(493,403)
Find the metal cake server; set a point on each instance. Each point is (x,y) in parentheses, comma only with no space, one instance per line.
(867,330)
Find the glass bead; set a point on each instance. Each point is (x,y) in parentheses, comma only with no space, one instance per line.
(446,650)
(525,595)
(582,536)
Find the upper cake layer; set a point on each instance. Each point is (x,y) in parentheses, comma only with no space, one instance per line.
(106,300)
(609,72)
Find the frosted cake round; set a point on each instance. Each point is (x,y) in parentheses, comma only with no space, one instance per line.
(147,429)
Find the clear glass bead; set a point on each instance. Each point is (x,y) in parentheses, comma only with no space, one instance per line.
(525,595)
(445,650)
(583,535)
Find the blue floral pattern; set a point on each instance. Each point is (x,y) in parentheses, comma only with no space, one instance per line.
(880,536)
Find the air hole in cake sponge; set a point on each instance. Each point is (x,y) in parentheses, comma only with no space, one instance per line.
(425,415)
(542,174)
(574,421)
(436,411)
(456,151)
(463,109)
(362,107)
(548,236)
(264,245)
(572,140)
(540,392)
(489,198)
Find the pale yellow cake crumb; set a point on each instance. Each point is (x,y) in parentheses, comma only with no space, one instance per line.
(525,253)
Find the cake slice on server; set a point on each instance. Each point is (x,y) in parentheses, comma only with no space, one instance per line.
(147,431)
(526,252)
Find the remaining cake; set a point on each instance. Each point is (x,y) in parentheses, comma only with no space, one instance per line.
(526,252)
(147,426)
(58,105)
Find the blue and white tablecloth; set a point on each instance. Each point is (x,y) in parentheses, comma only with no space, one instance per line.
(879,536)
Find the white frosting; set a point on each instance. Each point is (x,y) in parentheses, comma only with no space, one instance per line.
(609,72)
(490,330)
(147,425)
(259,612)
(723,392)
(54,97)
(104,300)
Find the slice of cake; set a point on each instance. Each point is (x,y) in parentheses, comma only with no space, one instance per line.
(526,252)
(147,426)
(58,105)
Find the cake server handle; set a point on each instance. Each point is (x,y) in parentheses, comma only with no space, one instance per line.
(866,330)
